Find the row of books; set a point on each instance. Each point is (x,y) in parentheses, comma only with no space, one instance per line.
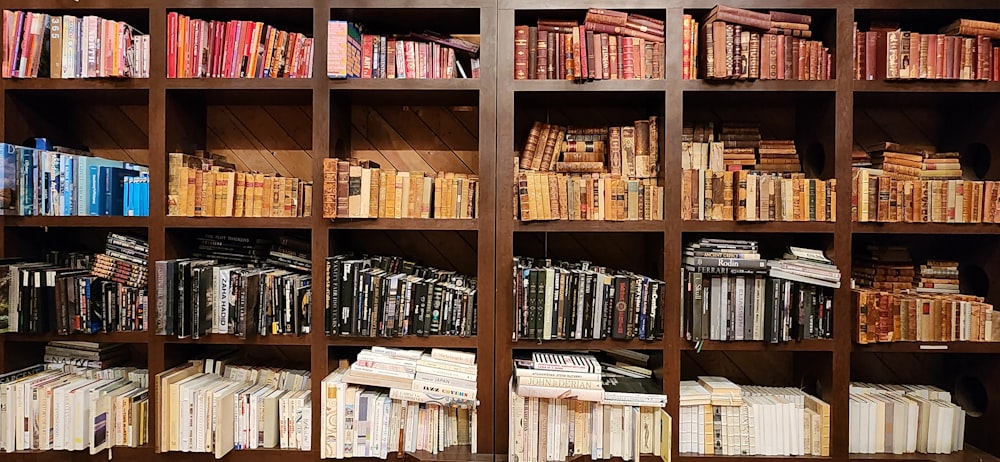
(567,405)
(742,44)
(201,297)
(362,189)
(878,197)
(391,401)
(718,417)
(206,185)
(731,294)
(914,317)
(50,298)
(381,296)
(904,419)
(124,260)
(235,49)
(962,50)
(62,415)
(630,151)
(46,180)
(744,195)
(588,196)
(608,45)
(215,407)
(71,47)
(352,54)
(286,252)
(562,300)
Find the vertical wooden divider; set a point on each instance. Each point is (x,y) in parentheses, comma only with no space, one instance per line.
(320,233)
(504,211)
(156,232)
(844,134)
(672,238)
(487,226)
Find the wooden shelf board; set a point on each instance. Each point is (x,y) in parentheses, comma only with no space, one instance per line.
(116,337)
(701,85)
(605,344)
(647,226)
(805,345)
(925,228)
(404,84)
(970,454)
(239,84)
(224,339)
(757,226)
(705,458)
(238,222)
(925,86)
(414,224)
(412,341)
(76,84)
(76,222)
(139,453)
(596,85)
(452,454)
(928,347)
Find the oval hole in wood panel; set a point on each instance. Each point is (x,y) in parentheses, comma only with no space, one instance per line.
(971,395)
(976,160)
(973,280)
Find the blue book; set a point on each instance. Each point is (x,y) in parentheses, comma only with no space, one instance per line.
(69,193)
(113,181)
(90,199)
(8,179)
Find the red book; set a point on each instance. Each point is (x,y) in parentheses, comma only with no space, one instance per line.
(172,45)
(582,52)
(366,55)
(245,44)
(521,53)
(628,59)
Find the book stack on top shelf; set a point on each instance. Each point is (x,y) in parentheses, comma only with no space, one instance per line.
(44,45)
(608,45)
(353,53)
(741,44)
(235,49)
(961,50)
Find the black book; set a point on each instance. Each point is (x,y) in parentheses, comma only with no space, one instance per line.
(334,268)
(435,317)
(347,296)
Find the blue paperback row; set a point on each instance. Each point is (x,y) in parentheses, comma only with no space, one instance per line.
(47,181)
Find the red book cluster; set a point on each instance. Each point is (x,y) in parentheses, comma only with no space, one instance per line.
(429,55)
(961,51)
(608,45)
(235,49)
(738,44)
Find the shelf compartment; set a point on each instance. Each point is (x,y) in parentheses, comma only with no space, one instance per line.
(76,222)
(631,85)
(223,339)
(405,84)
(414,224)
(113,337)
(588,344)
(591,226)
(700,85)
(925,228)
(928,347)
(95,84)
(238,222)
(412,341)
(804,345)
(809,227)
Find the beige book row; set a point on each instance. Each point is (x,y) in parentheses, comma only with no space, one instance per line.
(878,196)
(68,408)
(903,419)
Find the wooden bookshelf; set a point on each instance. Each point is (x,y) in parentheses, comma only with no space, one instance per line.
(304,121)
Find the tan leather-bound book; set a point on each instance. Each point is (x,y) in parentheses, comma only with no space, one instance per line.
(523,196)
(239,193)
(531,145)
(343,188)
